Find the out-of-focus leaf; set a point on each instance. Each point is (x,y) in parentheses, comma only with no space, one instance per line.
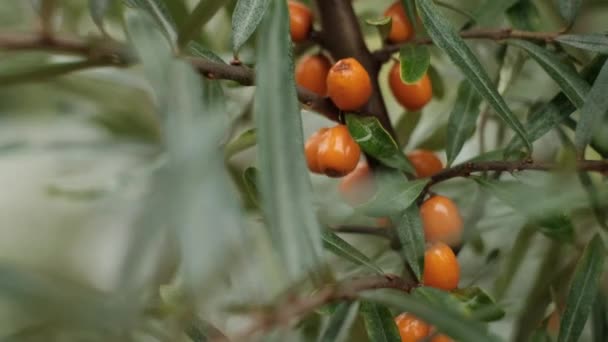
(569,9)
(383,25)
(595,107)
(379,323)
(595,42)
(203,331)
(394,194)
(583,290)
(436,82)
(410,10)
(599,318)
(245,19)
(437,140)
(414,60)
(564,75)
(524,15)
(200,51)
(594,198)
(411,236)
(244,141)
(340,323)
(488,12)
(284,181)
(557,227)
(450,322)
(98,10)
(406,126)
(161,14)
(340,247)
(463,119)
(516,256)
(479,303)
(204,10)
(444,35)
(44,72)
(375,141)
(250,178)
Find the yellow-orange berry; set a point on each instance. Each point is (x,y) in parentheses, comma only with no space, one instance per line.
(348,84)
(441,220)
(358,186)
(401,27)
(441,268)
(411,329)
(311,73)
(441,338)
(338,153)
(425,162)
(311,149)
(411,96)
(300,21)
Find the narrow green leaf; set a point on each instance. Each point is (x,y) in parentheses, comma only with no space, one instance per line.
(340,323)
(594,198)
(45,72)
(595,42)
(284,180)
(204,10)
(250,179)
(444,35)
(200,51)
(379,323)
(244,141)
(599,318)
(161,14)
(245,19)
(410,10)
(437,82)
(583,290)
(437,140)
(394,194)
(340,247)
(564,75)
(450,322)
(375,141)
(410,234)
(415,60)
(383,25)
(569,9)
(406,126)
(462,120)
(524,15)
(595,107)
(488,12)
(98,10)
(479,304)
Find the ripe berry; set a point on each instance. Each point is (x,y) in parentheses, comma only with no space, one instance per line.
(411,328)
(358,186)
(411,96)
(332,152)
(300,21)
(441,268)
(311,73)
(348,84)
(401,28)
(425,162)
(441,338)
(441,220)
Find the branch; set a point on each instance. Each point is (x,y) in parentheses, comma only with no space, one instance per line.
(384,54)
(293,309)
(101,52)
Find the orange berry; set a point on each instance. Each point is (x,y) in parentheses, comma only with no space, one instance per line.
(348,84)
(311,73)
(441,268)
(401,27)
(441,338)
(300,21)
(554,322)
(425,162)
(441,220)
(338,153)
(411,328)
(358,186)
(411,96)
(311,148)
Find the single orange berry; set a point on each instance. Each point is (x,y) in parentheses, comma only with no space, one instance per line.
(401,27)
(358,186)
(411,328)
(411,96)
(311,149)
(441,268)
(338,153)
(441,338)
(348,84)
(441,220)
(311,73)
(425,162)
(300,21)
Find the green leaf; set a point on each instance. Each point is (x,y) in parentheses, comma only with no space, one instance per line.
(405,127)
(383,25)
(595,42)
(595,107)
(463,119)
(410,10)
(414,60)
(244,141)
(437,140)
(340,247)
(436,82)
(479,304)
(445,37)
(514,261)
(340,323)
(594,198)
(158,10)
(394,194)
(557,227)
(583,290)
(569,9)
(245,19)
(204,10)
(524,15)
(284,180)
(564,75)
(250,179)
(450,322)
(379,323)
(599,319)
(375,141)
(488,12)
(200,51)
(98,10)
(46,71)
(411,236)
